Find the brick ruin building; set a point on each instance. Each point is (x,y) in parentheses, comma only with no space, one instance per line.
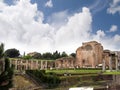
(89,55)
(92,55)
(65,62)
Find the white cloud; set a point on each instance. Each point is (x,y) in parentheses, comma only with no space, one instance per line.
(19,29)
(22,27)
(107,41)
(49,3)
(96,6)
(117,38)
(113,28)
(1,0)
(100,34)
(77,29)
(114,7)
(58,19)
(2,5)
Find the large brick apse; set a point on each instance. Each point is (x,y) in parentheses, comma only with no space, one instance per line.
(90,54)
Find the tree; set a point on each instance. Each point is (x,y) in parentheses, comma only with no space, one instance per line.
(27,57)
(7,64)
(12,53)
(73,55)
(56,55)
(1,50)
(6,77)
(64,54)
(7,74)
(47,55)
(1,56)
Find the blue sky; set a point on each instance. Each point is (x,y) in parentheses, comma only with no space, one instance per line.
(49,25)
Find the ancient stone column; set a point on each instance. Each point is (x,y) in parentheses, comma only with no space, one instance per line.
(37,64)
(31,65)
(26,65)
(41,65)
(46,65)
(16,64)
(118,64)
(55,64)
(72,64)
(110,63)
(19,65)
(103,66)
(116,60)
(10,63)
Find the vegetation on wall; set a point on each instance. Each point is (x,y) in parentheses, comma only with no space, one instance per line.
(6,75)
(13,53)
(50,79)
(47,56)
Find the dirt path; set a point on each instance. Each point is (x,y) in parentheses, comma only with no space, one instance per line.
(22,83)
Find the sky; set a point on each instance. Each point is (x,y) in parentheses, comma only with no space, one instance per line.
(63,25)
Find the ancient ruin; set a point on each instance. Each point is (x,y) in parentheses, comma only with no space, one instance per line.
(65,62)
(89,55)
(111,60)
(21,64)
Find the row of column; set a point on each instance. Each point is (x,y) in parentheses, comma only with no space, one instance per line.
(29,64)
(111,60)
(64,64)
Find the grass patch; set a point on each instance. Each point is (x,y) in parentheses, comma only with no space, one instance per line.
(112,72)
(74,71)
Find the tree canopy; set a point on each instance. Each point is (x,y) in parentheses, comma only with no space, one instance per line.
(1,50)
(47,55)
(12,53)
(73,54)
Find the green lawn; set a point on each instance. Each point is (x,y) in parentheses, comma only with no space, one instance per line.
(112,72)
(74,71)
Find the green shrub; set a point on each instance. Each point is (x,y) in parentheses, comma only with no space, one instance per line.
(51,79)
